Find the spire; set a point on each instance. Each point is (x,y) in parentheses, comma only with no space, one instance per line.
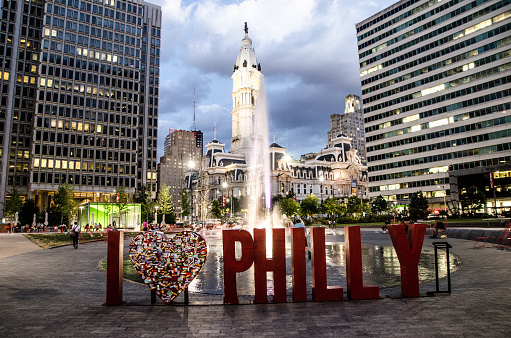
(214,132)
(246,30)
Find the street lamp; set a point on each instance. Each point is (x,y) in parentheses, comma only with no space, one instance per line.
(321,179)
(224,185)
(155,214)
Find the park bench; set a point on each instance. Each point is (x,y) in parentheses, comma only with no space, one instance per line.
(496,241)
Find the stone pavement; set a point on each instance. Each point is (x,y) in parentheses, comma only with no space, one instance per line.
(60,292)
(15,244)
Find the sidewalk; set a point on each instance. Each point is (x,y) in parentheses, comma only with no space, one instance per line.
(60,292)
(15,244)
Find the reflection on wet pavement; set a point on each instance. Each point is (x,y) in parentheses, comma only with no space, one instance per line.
(379,263)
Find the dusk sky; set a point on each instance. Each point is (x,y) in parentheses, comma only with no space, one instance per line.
(308,55)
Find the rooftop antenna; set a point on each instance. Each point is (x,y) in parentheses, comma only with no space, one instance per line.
(194,128)
(273,135)
(214,132)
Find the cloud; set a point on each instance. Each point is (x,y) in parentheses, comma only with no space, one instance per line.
(307,50)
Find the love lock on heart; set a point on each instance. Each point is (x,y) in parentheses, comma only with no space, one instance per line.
(166,265)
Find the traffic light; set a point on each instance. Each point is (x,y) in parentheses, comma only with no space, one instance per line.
(223,201)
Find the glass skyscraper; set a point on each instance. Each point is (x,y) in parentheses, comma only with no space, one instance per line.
(436,92)
(79,97)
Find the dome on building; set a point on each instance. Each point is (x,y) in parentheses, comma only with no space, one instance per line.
(275,145)
(341,135)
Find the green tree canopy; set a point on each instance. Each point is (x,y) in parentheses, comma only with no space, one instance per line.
(289,207)
(164,201)
(472,200)
(418,208)
(354,205)
(216,209)
(13,202)
(379,205)
(309,205)
(122,198)
(146,205)
(331,206)
(65,203)
(27,212)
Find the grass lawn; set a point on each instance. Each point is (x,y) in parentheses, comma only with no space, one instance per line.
(129,271)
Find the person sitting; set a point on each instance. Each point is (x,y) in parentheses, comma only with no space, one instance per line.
(439,228)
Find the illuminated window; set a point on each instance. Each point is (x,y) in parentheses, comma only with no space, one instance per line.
(36,163)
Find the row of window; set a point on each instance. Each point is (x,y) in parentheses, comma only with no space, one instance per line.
(74,100)
(440,64)
(439,54)
(411,173)
(443,157)
(55,45)
(424,80)
(451,143)
(411,22)
(414,184)
(394,11)
(100,181)
(452,25)
(67,138)
(73,26)
(452,131)
(504,81)
(58,164)
(443,86)
(442,110)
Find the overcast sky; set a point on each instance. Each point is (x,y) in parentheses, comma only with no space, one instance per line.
(308,55)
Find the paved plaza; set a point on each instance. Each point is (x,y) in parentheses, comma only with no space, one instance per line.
(61,292)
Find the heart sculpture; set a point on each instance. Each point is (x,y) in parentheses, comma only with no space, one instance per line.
(166,265)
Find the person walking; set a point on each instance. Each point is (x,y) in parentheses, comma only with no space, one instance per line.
(75,231)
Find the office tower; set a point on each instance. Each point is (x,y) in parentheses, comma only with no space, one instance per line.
(350,124)
(79,102)
(183,148)
(435,88)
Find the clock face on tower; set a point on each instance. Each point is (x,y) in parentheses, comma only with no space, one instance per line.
(253,82)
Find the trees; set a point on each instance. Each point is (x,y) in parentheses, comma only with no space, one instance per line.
(121,199)
(289,207)
(146,205)
(472,200)
(13,202)
(164,202)
(28,209)
(309,205)
(418,208)
(331,206)
(379,205)
(216,209)
(65,203)
(354,205)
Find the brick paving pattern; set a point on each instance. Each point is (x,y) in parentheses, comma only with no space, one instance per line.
(60,292)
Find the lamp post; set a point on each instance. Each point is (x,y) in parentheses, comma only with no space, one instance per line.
(155,214)
(321,179)
(224,185)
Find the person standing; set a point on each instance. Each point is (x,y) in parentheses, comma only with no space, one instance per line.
(75,231)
